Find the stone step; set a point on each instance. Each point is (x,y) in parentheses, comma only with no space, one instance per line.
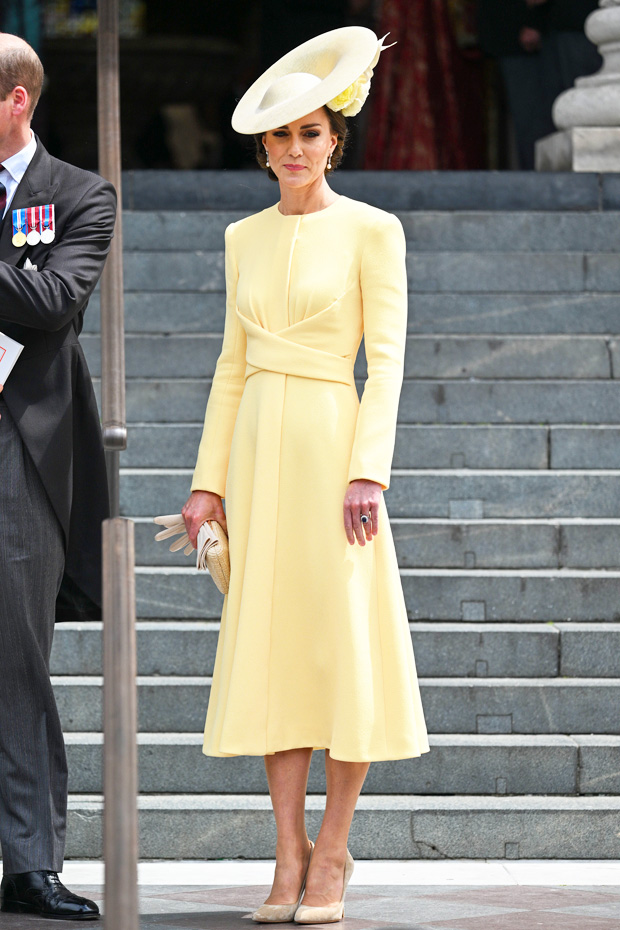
(384,827)
(474,312)
(451,705)
(426,231)
(175,445)
(442,650)
(171,763)
(460,494)
(437,543)
(449,357)
(474,595)
(533,402)
(427,272)
(496,191)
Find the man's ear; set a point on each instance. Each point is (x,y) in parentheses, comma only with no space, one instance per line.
(20,100)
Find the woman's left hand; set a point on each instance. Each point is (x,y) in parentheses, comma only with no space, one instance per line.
(362,497)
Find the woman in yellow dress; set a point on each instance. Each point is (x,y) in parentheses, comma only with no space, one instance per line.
(314,650)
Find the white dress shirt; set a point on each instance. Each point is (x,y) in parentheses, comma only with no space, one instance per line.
(14,168)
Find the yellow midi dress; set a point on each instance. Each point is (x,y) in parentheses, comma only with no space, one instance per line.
(314,648)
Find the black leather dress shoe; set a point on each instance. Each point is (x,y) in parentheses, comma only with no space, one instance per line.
(44,894)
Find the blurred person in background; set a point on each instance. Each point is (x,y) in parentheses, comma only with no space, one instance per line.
(541,48)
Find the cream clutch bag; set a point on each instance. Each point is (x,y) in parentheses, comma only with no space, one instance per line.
(212,553)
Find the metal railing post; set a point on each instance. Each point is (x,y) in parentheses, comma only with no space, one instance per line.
(120,788)
(120,819)
(112,310)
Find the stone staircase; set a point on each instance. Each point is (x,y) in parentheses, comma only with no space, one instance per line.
(505,505)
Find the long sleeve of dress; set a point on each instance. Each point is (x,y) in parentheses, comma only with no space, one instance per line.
(384,298)
(226,390)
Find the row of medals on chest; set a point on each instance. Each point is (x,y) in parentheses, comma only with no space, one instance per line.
(34,236)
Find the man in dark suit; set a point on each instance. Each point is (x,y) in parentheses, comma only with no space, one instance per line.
(542,48)
(53,492)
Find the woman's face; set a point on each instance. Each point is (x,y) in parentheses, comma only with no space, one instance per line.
(298,152)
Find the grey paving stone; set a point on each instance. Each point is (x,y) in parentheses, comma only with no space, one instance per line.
(442,649)
(162,445)
(599,764)
(174,764)
(520,357)
(585,446)
(483,544)
(389,190)
(504,232)
(480,650)
(516,596)
(537,494)
(462,272)
(586,545)
(470,447)
(513,313)
(590,649)
(526,705)
(602,273)
(505,402)
(501,494)
(144,230)
(161,356)
(163,648)
(152,312)
(430,594)
(173,271)
(387,828)
(466,830)
(173,445)
(168,355)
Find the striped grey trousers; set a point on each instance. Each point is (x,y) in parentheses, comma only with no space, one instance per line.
(33,766)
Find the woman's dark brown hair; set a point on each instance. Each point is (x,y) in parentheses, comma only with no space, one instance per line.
(337,124)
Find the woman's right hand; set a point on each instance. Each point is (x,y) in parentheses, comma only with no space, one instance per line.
(201,506)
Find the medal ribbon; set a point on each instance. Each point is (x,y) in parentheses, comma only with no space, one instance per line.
(19,221)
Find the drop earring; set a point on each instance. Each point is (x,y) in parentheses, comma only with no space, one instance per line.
(267,158)
(329,162)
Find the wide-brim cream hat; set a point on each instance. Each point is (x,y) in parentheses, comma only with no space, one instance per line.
(333,69)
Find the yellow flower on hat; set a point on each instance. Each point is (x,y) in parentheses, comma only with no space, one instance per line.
(351,100)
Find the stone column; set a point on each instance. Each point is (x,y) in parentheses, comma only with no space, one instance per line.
(588,115)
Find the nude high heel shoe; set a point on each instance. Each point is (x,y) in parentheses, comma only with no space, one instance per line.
(282,913)
(331,913)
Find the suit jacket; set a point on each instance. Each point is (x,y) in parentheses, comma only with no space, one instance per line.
(501,21)
(49,392)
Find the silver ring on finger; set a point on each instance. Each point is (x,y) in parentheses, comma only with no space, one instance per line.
(365,518)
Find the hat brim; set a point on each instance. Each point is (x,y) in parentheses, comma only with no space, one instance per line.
(336,58)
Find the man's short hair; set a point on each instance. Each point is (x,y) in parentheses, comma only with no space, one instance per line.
(20,66)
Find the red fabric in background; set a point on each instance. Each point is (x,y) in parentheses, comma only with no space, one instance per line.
(427,96)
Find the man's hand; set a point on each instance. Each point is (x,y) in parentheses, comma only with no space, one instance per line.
(362,497)
(202,506)
(530,39)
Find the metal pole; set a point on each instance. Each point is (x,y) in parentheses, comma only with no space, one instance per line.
(120,826)
(112,309)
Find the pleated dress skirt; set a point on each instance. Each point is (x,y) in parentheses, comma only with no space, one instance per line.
(315,648)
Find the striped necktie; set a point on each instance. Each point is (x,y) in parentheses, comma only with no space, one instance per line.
(2,195)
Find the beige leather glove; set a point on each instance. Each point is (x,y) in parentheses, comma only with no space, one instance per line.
(175,526)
